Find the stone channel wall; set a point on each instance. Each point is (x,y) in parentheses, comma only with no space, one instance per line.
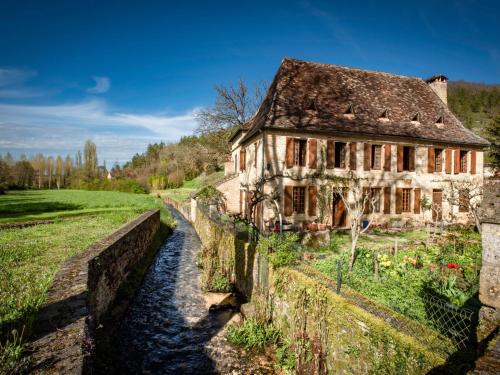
(331,333)
(83,292)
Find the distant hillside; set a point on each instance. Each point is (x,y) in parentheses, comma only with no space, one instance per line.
(475,104)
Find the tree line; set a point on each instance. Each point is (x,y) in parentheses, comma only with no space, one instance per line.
(55,172)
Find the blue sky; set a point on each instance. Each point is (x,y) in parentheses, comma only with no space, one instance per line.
(127,73)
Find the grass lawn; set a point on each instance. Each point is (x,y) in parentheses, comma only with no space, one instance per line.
(182,193)
(30,257)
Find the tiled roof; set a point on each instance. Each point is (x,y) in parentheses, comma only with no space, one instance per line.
(315,97)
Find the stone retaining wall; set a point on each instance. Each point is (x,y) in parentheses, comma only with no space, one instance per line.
(82,293)
(331,334)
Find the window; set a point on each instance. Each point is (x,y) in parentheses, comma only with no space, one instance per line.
(438,160)
(406,158)
(340,149)
(299,152)
(440,120)
(463,201)
(406,200)
(463,161)
(299,193)
(416,117)
(384,116)
(375,193)
(376,156)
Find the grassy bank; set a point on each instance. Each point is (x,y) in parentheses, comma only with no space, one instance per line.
(182,193)
(31,256)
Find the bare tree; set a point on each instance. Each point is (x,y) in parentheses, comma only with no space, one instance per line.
(466,194)
(50,169)
(234,105)
(359,205)
(68,168)
(59,171)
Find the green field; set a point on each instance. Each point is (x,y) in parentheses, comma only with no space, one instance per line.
(181,194)
(30,257)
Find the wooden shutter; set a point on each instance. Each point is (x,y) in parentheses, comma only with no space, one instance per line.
(313,146)
(242,159)
(387,200)
(449,152)
(416,205)
(411,155)
(399,200)
(312,194)
(400,158)
(456,165)
(473,162)
(366,192)
(289,152)
(367,157)
(387,158)
(431,159)
(288,200)
(330,154)
(352,156)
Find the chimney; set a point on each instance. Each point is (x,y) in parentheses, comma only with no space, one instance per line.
(439,84)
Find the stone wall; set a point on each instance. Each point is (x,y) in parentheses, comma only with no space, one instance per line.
(489,284)
(83,292)
(230,253)
(337,334)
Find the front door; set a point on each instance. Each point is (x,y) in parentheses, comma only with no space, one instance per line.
(437,205)
(339,212)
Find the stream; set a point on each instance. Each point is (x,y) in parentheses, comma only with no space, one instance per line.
(168,328)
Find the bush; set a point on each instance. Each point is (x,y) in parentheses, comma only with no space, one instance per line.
(220,284)
(253,335)
(281,250)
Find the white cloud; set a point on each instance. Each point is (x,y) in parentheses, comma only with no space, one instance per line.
(12,83)
(102,85)
(64,128)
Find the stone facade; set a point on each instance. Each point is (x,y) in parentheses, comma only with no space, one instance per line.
(82,293)
(274,163)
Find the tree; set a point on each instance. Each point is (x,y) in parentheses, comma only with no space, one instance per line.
(23,174)
(38,163)
(50,170)
(466,194)
(234,106)
(359,205)
(493,131)
(90,159)
(68,168)
(59,171)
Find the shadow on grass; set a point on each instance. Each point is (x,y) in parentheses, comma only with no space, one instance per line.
(16,208)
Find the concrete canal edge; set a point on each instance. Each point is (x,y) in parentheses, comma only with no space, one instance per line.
(91,291)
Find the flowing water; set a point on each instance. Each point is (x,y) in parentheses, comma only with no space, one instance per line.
(168,328)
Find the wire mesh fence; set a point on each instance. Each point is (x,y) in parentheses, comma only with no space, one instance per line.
(447,328)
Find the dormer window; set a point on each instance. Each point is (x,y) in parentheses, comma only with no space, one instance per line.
(440,121)
(416,118)
(349,113)
(310,105)
(384,116)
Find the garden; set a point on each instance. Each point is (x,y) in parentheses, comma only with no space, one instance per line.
(403,270)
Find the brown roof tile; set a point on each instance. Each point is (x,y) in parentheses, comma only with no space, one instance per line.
(311,96)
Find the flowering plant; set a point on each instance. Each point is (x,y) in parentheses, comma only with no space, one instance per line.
(452,265)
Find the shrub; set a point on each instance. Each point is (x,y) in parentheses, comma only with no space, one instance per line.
(281,250)
(253,334)
(220,284)
(125,185)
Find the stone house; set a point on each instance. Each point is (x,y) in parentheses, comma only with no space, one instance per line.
(393,132)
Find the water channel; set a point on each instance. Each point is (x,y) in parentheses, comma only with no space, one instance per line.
(168,328)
